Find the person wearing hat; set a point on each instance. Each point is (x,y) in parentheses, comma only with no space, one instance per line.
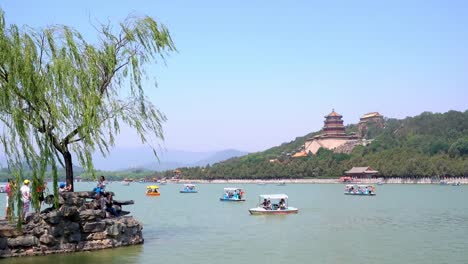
(25,197)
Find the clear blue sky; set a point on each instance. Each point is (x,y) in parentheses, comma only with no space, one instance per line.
(250,75)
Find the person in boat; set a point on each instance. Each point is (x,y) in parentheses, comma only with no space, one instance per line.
(266,204)
(282,204)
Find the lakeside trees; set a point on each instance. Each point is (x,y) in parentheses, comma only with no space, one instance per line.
(61,95)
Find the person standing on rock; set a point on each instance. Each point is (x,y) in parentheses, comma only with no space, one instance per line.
(8,189)
(26,198)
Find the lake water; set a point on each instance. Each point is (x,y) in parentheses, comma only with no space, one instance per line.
(402,224)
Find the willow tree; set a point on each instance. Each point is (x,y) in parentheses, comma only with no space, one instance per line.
(62,96)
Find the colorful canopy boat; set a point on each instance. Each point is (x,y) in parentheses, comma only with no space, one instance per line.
(354,189)
(273,204)
(233,195)
(189,188)
(152,190)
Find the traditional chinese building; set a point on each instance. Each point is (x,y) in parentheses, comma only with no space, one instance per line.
(367,119)
(333,136)
(333,125)
(361,172)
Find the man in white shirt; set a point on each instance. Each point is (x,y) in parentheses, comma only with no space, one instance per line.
(25,197)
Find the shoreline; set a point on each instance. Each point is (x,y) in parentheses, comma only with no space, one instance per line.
(462,180)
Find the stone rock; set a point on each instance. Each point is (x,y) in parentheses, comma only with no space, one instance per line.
(97,236)
(114,230)
(74,237)
(33,217)
(23,241)
(53,217)
(92,214)
(9,231)
(71,227)
(3,243)
(94,227)
(38,231)
(118,202)
(69,211)
(57,230)
(47,239)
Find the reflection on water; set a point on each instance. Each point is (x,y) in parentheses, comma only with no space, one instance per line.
(402,224)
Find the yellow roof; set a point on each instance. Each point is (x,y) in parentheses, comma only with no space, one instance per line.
(333,113)
(299,154)
(152,187)
(372,114)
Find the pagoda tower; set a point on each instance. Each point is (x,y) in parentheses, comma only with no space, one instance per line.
(333,125)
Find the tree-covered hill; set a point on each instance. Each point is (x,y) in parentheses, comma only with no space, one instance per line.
(427,145)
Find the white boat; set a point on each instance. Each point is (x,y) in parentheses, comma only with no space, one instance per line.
(189,188)
(125,183)
(355,189)
(233,194)
(273,204)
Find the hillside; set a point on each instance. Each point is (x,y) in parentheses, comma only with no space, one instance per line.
(427,145)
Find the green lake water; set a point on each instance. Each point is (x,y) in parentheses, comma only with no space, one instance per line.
(401,224)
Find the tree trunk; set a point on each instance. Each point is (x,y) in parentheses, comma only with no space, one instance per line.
(68,169)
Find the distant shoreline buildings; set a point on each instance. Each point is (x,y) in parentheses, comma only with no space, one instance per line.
(334,135)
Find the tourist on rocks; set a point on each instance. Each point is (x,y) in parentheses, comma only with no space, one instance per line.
(26,198)
(102,183)
(109,203)
(41,188)
(8,189)
(64,188)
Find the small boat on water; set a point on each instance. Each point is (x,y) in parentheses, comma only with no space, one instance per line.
(354,189)
(152,190)
(380,183)
(281,183)
(189,188)
(126,181)
(273,204)
(456,184)
(233,195)
(2,188)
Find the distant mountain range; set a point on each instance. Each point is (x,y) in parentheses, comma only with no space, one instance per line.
(143,158)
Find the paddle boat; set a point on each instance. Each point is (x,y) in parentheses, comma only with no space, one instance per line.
(152,190)
(189,188)
(354,189)
(233,195)
(456,184)
(273,204)
(281,183)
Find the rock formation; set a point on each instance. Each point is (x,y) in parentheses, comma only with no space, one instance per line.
(75,226)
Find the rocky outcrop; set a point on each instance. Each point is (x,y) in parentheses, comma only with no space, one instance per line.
(77,225)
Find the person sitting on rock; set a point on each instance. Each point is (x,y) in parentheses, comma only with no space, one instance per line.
(109,203)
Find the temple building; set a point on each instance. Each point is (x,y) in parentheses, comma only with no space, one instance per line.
(361,172)
(370,118)
(334,135)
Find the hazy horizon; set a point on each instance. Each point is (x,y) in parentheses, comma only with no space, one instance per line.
(252,75)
